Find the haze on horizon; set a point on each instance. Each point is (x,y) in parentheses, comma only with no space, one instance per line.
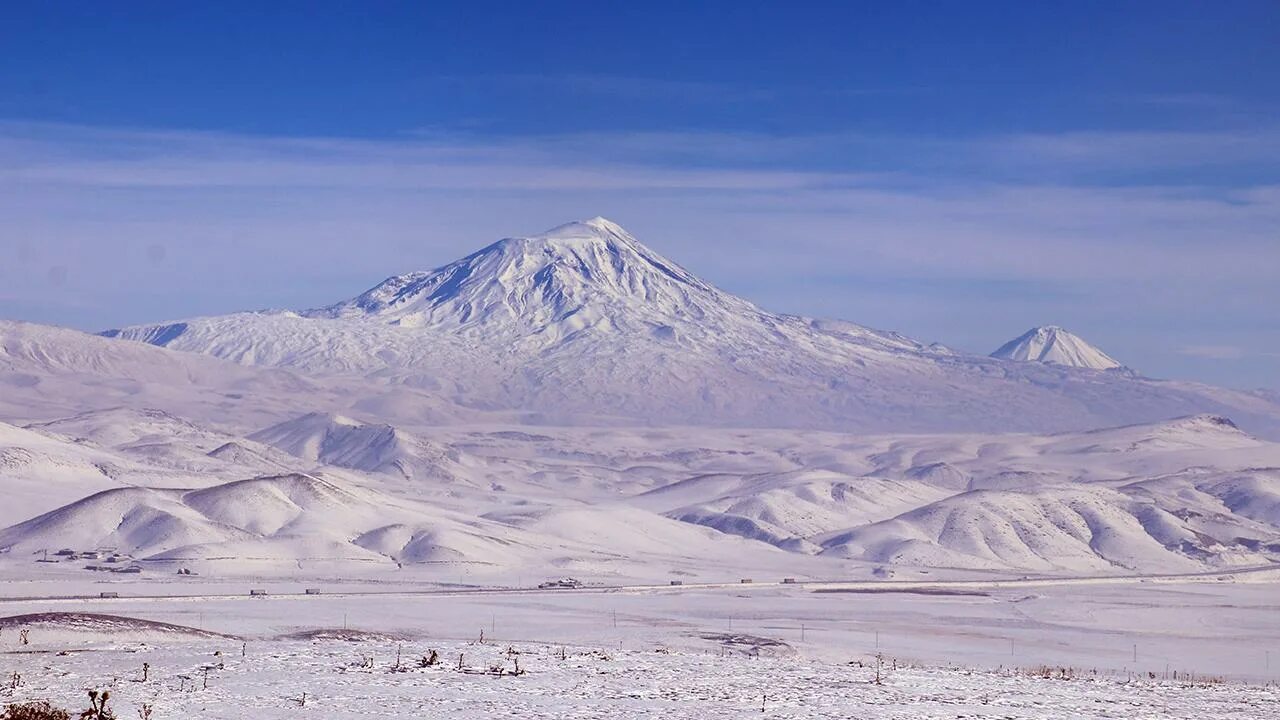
(958,174)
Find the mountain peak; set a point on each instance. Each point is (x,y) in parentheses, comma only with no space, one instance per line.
(1054,345)
(593,227)
(585,274)
(569,240)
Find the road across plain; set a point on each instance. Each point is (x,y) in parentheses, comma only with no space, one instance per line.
(871,586)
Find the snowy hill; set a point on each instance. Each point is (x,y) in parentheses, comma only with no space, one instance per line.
(284,518)
(1190,493)
(1173,523)
(787,510)
(51,463)
(39,472)
(377,448)
(1052,344)
(585,325)
(287,523)
(49,372)
(1173,496)
(165,442)
(1082,529)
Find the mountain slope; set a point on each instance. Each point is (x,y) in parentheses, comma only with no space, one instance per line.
(1184,494)
(50,372)
(585,325)
(280,519)
(290,523)
(164,441)
(1166,524)
(376,448)
(39,472)
(1052,344)
(1192,493)
(588,276)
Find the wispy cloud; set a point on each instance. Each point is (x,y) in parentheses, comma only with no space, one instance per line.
(79,154)
(686,93)
(950,243)
(1137,151)
(1213,352)
(626,87)
(1225,352)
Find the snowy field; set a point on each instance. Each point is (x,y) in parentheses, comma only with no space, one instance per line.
(271,679)
(423,455)
(800,651)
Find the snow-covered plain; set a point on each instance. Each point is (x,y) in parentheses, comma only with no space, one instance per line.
(574,404)
(292,679)
(1026,652)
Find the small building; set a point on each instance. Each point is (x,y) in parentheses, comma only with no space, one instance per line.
(131,570)
(563,583)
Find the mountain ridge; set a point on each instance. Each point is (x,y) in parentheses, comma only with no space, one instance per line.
(584,320)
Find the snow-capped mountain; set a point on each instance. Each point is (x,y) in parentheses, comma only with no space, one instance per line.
(581,277)
(580,284)
(583,324)
(1052,344)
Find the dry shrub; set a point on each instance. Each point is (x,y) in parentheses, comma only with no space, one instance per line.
(39,710)
(98,709)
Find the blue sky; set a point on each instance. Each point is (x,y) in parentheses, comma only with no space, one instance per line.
(955,171)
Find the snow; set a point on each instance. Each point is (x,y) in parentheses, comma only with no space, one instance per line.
(339,441)
(1052,344)
(1060,652)
(591,682)
(164,473)
(586,325)
(1185,495)
(575,404)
